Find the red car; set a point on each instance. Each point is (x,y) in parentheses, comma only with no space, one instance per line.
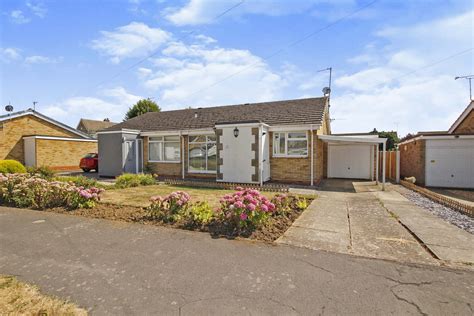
(90,162)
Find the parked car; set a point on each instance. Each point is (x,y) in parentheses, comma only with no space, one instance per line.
(90,162)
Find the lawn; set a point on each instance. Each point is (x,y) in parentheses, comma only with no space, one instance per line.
(18,298)
(140,196)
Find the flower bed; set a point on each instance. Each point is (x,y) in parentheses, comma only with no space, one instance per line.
(23,190)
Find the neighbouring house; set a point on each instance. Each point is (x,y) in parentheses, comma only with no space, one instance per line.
(281,141)
(442,158)
(91,127)
(37,140)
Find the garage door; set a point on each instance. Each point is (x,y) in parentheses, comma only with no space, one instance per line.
(450,163)
(349,161)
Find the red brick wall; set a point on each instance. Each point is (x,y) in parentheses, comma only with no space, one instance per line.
(412,160)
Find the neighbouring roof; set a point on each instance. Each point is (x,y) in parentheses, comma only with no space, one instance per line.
(42,117)
(461,117)
(93,126)
(288,112)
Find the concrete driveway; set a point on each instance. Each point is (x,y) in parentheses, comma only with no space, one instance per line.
(115,268)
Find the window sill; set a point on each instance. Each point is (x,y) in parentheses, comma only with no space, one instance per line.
(155,161)
(286,156)
(202,172)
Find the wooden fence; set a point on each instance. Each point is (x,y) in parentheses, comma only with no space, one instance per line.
(392,165)
(456,205)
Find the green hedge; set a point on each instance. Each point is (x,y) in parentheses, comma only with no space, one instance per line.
(11,166)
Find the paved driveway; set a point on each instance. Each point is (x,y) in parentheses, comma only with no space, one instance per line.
(123,268)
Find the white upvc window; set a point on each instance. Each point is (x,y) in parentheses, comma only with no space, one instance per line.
(290,144)
(202,154)
(164,149)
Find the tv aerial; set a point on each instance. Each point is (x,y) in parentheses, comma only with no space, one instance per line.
(9,107)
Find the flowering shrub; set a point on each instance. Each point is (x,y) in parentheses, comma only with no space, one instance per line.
(246,207)
(169,208)
(22,190)
(286,203)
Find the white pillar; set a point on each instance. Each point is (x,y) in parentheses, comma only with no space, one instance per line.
(384,153)
(372,154)
(182,156)
(312,156)
(377,164)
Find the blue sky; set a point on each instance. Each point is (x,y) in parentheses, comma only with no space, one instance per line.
(394,61)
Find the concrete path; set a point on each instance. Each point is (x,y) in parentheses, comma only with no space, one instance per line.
(356,223)
(115,268)
(446,241)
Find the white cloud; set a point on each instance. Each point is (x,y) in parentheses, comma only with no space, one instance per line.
(205,11)
(111,103)
(37,59)
(132,40)
(402,84)
(9,54)
(37,9)
(18,17)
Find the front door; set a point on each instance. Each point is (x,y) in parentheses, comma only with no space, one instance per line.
(130,161)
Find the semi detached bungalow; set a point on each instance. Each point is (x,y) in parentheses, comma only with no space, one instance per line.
(282,141)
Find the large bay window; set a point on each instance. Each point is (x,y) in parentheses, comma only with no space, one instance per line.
(290,144)
(164,149)
(202,154)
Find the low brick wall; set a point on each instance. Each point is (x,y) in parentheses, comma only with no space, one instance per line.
(62,154)
(456,205)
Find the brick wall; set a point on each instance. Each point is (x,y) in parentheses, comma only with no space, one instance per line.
(12,131)
(412,160)
(466,126)
(62,154)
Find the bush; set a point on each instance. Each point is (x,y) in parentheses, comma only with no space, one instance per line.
(246,207)
(199,214)
(79,181)
(170,208)
(11,166)
(128,180)
(286,203)
(22,190)
(43,172)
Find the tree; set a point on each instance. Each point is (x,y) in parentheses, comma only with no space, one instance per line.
(141,107)
(392,138)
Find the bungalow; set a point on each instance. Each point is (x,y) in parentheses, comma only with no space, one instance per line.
(282,141)
(37,140)
(91,127)
(442,158)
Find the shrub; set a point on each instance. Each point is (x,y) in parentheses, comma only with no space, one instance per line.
(170,208)
(43,172)
(128,180)
(286,203)
(246,207)
(199,214)
(22,190)
(11,166)
(79,181)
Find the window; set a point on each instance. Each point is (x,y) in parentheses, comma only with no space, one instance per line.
(164,149)
(202,154)
(290,144)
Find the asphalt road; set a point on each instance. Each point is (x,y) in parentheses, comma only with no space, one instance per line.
(120,268)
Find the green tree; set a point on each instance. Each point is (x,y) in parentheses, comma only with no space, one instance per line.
(392,138)
(141,107)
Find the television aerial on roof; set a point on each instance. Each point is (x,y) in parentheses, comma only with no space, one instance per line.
(9,107)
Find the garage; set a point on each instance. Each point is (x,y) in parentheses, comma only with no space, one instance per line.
(450,163)
(350,161)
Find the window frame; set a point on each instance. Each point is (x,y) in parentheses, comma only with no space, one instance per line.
(207,142)
(286,155)
(163,141)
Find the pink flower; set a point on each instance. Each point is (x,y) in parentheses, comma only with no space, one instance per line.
(251,207)
(243,216)
(264,208)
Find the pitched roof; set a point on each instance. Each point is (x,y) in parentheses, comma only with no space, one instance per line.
(92,126)
(288,112)
(42,117)
(461,117)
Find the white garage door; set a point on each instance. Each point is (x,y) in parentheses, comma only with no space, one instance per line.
(349,161)
(450,163)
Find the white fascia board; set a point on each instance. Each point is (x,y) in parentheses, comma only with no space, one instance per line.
(256,124)
(351,139)
(294,128)
(454,136)
(61,138)
(122,131)
(202,131)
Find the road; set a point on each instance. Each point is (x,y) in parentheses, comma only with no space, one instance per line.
(122,268)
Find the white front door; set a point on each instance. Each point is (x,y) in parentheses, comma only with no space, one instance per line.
(450,163)
(130,158)
(266,154)
(349,161)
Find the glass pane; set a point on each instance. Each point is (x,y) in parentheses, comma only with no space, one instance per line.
(279,144)
(155,151)
(211,157)
(197,139)
(172,138)
(297,148)
(197,157)
(296,135)
(172,151)
(211,138)
(151,139)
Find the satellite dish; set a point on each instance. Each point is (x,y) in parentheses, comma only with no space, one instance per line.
(326,90)
(9,108)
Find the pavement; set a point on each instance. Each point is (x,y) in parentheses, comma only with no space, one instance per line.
(125,268)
